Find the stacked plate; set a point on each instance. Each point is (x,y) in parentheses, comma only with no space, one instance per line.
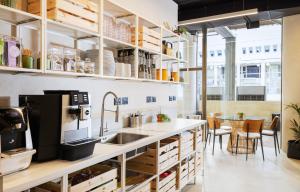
(109,64)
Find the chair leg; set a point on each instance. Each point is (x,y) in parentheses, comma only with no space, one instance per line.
(262,148)
(214,140)
(275,145)
(247,147)
(206,141)
(231,143)
(237,144)
(209,138)
(254,143)
(221,138)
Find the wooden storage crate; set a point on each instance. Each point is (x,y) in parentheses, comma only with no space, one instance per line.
(168,156)
(198,161)
(147,38)
(191,168)
(184,172)
(186,143)
(106,181)
(81,13)
(166,184)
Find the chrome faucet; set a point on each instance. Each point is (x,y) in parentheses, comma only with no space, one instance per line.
(103,111)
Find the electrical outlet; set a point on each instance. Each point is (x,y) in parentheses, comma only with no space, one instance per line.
(148,99)
(153,99)
(170,98)
(118,101)
(124,100)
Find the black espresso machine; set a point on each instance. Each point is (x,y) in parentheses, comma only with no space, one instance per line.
(15,140)
(60,123)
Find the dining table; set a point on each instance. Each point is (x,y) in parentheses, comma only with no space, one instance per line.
(237,124)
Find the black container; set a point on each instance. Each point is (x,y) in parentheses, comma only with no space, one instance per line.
(77,150)
(293,150)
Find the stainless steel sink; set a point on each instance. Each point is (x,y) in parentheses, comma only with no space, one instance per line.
(122,138)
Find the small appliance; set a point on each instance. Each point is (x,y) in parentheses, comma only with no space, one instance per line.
(15,138)
(61,124)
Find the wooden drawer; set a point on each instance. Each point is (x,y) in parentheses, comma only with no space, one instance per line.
(105,181)
(146,188)
(108,187)
(166,183)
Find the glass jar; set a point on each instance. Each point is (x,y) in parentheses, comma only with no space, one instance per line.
(89,66)
(69,60)
(55,58)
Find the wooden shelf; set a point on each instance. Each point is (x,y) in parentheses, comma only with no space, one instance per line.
(16,16)
(69,30)
(114,43)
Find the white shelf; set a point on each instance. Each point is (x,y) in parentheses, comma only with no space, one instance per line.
(16,16)
(168,58)
(114,43)
(71,74)
(19,70)
(108,7)
(69,30)
(149,50)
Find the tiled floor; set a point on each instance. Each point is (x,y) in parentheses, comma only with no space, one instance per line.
(227,173)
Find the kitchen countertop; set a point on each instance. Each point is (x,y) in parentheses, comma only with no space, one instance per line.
(39,173)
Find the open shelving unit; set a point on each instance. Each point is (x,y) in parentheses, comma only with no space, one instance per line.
(97,40)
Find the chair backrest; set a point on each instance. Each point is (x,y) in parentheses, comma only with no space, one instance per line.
(213,122)
(274,123)
(253,126)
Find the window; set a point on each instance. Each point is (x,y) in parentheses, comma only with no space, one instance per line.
(258,49)
(244,51)
(251,71)
(267,48)
(250,50)
(212,53)
(275,47)
(219,52)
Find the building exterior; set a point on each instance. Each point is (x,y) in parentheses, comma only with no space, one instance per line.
(257,63)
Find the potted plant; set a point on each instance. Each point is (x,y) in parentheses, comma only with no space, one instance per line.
(294,145)
(240,115)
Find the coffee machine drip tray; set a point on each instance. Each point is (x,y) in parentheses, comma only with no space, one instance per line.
(75,150)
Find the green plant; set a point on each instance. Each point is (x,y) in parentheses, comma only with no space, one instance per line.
(294,123)
(182,31)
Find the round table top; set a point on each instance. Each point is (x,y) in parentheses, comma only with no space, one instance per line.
(237,118)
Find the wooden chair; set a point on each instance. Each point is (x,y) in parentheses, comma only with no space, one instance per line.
(272,132)
(215,130)
(252,130)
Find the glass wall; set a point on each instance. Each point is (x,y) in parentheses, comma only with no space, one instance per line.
(244,70)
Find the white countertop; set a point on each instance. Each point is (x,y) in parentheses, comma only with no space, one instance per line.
(39,173)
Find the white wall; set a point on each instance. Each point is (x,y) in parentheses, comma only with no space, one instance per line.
(157,11)
(14,85)
(290,72)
